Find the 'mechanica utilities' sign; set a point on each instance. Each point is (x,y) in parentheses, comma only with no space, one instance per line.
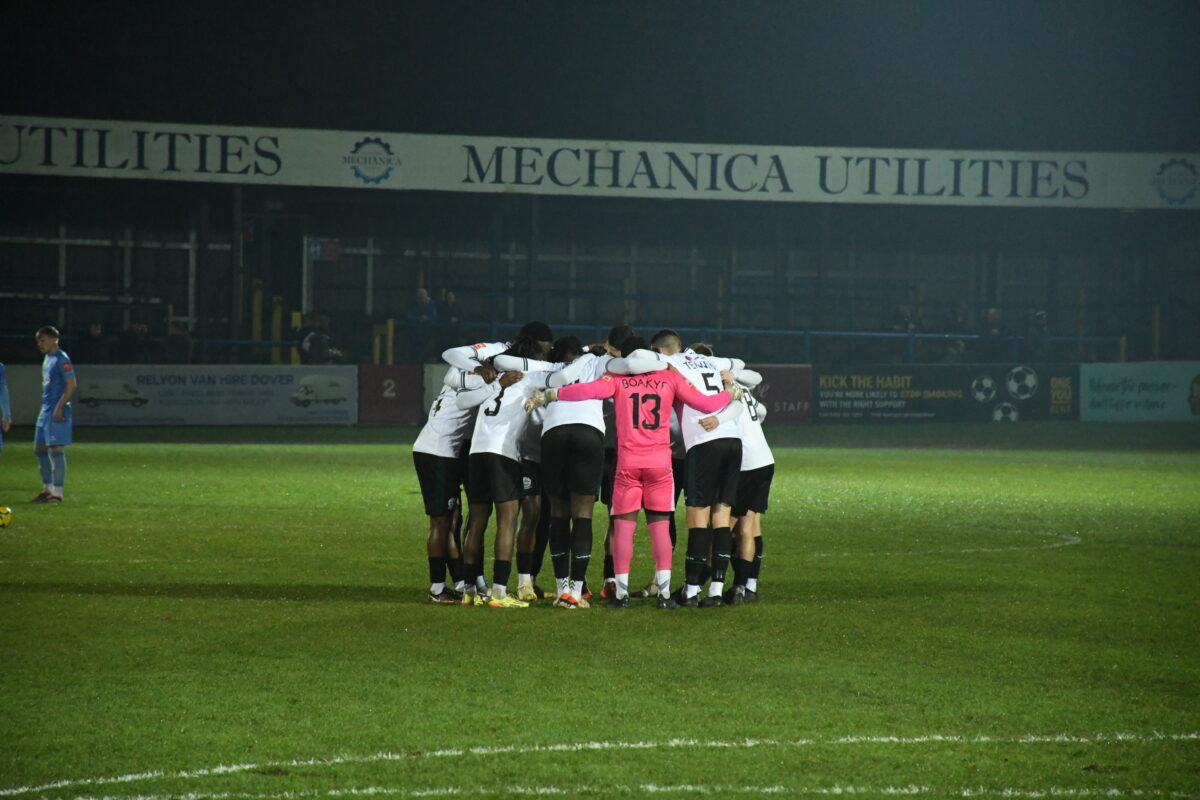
(292,157)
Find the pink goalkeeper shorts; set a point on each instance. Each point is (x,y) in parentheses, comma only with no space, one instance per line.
(651,488)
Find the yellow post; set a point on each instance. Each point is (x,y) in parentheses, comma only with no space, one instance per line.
(170,314)
(276,327)
(391,341)
(376,335)
(1121,350)
(296,320)
(256,316)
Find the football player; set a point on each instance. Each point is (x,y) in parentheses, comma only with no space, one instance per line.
(441,471)
(477,358)
(5,408)
(643,476)
(495,476)
(54,422)
(713,468)
(754,490)
(572,458)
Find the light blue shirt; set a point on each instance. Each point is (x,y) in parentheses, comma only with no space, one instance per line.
(5,408)
(56,370)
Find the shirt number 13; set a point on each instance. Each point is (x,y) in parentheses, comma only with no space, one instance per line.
(646,416)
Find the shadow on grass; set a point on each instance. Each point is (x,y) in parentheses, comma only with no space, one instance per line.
(785,592)
(224,591)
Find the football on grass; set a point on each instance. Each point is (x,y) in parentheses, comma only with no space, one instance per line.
(6,516)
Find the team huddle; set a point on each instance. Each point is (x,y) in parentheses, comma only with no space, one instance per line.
(535,430)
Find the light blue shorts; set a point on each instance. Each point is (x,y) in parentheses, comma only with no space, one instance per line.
(50,433)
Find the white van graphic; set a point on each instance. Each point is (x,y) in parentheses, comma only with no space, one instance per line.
(94,391)
(320,389)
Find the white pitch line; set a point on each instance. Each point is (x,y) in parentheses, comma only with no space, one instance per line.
(1064,540)
(228,769)
(653,788)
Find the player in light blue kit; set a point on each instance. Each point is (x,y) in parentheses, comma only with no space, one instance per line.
(5,408)
(53,431)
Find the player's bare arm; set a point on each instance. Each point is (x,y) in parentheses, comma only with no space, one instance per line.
(71,385)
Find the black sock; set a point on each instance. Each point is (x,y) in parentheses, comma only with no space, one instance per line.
(610,572)
(500,572)
(455,567)
(560,547)
(757,563)
(541,539)
(674,534)
(581,547)
(698,545)
(524,563)
(741,571)
(437,569)
(471,573)
(722,549)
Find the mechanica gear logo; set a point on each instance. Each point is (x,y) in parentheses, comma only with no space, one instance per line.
(1176,181)
(372,160)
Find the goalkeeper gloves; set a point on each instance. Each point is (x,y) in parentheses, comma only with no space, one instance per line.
(540,398)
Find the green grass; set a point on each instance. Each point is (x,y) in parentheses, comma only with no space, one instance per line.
(254,600)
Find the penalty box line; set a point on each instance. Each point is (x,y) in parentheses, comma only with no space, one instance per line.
(229,769)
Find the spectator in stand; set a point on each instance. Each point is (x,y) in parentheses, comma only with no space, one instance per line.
(993,347)
(904,322)
(178,347)
(314,342)
(93,347)
(449,317)
(955,352)
(134,345)
(422,318)
(1037,339)
(308,327)
(958,320)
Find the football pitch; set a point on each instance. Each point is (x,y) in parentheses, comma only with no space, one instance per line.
(946,611)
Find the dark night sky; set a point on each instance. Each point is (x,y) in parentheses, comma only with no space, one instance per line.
(1089,76)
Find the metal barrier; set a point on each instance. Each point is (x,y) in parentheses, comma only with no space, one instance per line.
(790,346)
(392,342)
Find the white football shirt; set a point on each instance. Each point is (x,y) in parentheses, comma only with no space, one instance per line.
(756,453)
(501,420)
(583,412)
(470,356)
(704,373)
(447,425)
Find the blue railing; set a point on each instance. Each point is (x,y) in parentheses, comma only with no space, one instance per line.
(753,344)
